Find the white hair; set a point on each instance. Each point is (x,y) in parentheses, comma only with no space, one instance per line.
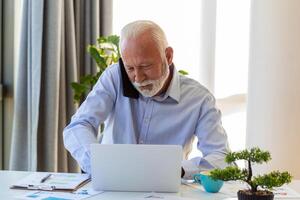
(137,28)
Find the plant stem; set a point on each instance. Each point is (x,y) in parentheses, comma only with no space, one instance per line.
(249,171)
(253,187)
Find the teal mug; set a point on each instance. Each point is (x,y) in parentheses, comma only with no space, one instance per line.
(209,184)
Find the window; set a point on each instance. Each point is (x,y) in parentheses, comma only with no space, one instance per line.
(231,64)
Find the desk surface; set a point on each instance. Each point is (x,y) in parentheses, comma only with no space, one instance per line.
(7,178)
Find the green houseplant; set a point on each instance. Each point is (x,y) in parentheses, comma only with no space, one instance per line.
(261,185)
(105,53)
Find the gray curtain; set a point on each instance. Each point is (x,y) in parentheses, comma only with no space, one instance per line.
(7,30)
(52,55)
(1,91)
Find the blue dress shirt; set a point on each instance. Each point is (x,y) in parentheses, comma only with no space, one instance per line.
(185,110)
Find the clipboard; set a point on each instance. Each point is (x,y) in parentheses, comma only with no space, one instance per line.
(48,181)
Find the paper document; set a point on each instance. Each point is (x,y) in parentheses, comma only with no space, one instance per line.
(43,195)
(52,181)
(161,196)
(283,192)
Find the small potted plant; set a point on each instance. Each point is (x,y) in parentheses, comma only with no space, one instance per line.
(259,186)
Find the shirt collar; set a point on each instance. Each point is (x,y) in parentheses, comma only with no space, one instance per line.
(175,85)
(129,90)
(173,90)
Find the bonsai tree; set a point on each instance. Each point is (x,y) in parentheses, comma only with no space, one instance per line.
(260,185)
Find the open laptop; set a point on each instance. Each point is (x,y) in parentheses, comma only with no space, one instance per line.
(132,167)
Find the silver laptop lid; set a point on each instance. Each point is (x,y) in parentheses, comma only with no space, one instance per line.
(131,167)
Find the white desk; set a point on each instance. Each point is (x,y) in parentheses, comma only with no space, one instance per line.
(7,178)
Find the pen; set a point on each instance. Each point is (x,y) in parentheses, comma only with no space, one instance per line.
(45,178)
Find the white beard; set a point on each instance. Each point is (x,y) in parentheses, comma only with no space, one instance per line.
(157,85)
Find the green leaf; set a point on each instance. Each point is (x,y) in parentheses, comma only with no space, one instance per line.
(86,79)
(95,54)
(115,58)
(101,39)
(78,87)
(79,91)
(183,72)
(113,39)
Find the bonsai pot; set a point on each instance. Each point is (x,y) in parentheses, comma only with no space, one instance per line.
(259,195)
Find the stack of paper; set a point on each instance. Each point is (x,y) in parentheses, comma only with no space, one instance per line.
(52,181)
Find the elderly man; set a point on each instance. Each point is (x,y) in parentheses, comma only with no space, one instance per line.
(143,100)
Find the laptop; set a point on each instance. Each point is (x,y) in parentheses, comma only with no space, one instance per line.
(132,167)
